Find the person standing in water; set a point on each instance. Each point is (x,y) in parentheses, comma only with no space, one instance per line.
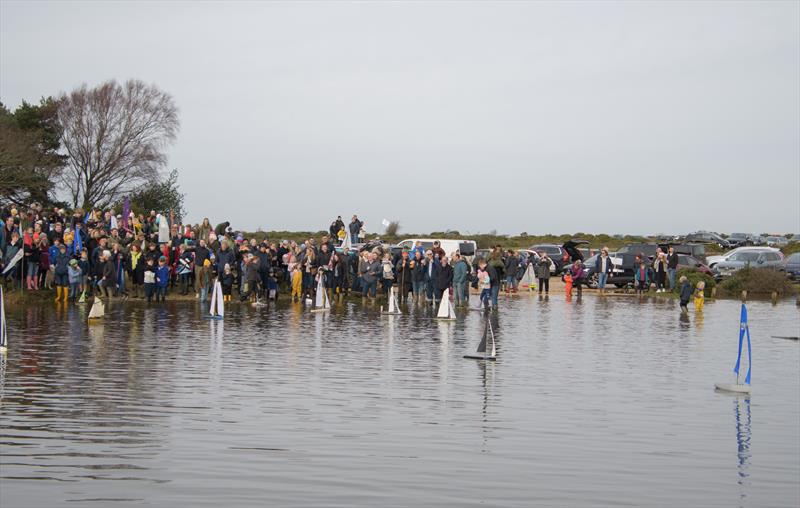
(686,294)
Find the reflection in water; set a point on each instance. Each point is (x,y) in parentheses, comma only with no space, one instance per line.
(741,411)
(157,404)
(684,323)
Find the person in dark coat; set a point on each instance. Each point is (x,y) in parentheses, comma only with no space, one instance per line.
(355,228)
(221,228)
(404,275)
(543,273)
(686,294)
(444,278)
(418,274)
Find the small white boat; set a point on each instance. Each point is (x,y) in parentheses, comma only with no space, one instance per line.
(488,337)
(98,309)
(394,308)
(321,303)
(217,308)
(446,310)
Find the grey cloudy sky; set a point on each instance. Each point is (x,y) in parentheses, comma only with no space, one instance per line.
(635,117)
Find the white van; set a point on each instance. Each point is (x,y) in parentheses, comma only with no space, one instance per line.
(467,248)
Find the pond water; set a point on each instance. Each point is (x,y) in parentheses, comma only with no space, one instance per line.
(602,402)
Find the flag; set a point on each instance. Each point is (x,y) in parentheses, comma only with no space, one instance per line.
(77,243)
(126,210)
(14,260)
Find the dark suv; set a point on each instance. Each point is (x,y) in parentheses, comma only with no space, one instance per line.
(707,238)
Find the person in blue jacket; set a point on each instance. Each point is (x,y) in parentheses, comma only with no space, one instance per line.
(162,279)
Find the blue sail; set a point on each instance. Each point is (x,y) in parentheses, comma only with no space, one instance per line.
(744,330)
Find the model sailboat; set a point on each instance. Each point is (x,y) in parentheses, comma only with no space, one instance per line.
(394,308)
(738,386)
(488,339)
(217,309)
(321,303)
(347,243)
(528,279)
(98,309)
(3,331)
(446,310)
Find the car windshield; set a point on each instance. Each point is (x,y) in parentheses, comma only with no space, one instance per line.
(739,235)
(794,258)
(747,257)
(551,250)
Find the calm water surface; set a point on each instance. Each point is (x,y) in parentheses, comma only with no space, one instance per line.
(604,402)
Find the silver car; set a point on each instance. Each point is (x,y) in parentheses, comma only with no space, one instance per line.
(756,258)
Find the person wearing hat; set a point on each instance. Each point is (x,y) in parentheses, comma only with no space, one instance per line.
(75,275)
(203,278)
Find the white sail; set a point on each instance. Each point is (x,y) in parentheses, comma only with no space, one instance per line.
(98,310)
(529,278)
(392,300)
(3,331)
(446,310)
(220,299)
(213,306)
(347,243)
(321,302)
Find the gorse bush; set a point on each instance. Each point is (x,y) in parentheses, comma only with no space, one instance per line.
(694,276)
(757,281)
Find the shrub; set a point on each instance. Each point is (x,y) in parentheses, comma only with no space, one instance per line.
(757,281)
(694,276)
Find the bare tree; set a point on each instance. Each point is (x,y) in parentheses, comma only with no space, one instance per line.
(115,136)
(393,228)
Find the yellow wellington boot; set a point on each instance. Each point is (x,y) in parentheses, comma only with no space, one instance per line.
(58,294)
(65,291)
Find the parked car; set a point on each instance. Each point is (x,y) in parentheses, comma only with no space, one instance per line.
(763,258)
(555,252)
(467,248)
(572,252)
(685,261)
(776,241)
(712,261)
(794,238)
(740,239)
(707,238)
(526,254)
(648,249)
(792,266)
(617,278)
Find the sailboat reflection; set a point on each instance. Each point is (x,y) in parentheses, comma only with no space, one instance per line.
(741,411)
(484,367)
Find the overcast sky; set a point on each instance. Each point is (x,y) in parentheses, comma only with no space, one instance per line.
(633,117)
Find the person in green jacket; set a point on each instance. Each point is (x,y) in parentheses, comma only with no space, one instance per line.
(461,271)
